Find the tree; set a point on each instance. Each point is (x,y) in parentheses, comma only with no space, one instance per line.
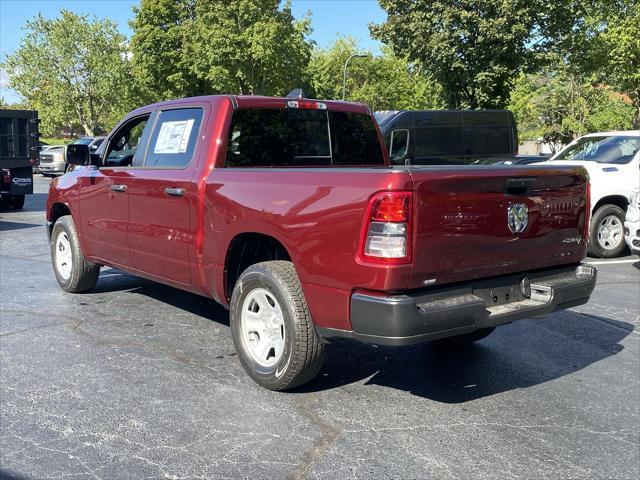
(384,82)
(73,70)
(196,47)
(476,48)
(620,42)
(557,107)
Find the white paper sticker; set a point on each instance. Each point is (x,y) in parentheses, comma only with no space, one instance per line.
(174,136)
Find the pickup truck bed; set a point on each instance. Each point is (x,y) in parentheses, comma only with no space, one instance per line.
(288,212)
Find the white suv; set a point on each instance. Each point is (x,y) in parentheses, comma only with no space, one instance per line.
(613,162)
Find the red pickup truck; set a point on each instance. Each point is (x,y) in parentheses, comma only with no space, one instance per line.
(288,212)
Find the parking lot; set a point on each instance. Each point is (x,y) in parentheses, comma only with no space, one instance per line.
(140,380)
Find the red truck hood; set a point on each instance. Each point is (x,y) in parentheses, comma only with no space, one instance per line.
(461,221)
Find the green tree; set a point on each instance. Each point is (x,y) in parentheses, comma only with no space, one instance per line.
(196,47)
(557,106)
(476,48)
(384,82)
(620,44)
(73,70)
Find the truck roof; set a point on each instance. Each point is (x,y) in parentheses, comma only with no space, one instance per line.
(259,101)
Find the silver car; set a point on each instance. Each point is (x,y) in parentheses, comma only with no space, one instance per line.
(51,160)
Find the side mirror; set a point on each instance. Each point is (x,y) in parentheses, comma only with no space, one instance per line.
(77,155)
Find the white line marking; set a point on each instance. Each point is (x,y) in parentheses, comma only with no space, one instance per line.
(610,262)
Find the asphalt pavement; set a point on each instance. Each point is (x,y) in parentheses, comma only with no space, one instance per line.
(139,380)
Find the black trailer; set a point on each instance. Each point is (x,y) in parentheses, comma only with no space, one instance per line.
(19,149)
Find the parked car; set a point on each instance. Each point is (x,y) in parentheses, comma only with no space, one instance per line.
(632,223)
(287,212)
(613,162)
(448,137)
(51,160)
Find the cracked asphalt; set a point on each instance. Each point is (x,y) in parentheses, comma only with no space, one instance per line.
(138,380)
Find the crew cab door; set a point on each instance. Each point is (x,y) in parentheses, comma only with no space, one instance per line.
(104,199)
(162,194)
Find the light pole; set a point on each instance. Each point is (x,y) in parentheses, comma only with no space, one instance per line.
(344,76)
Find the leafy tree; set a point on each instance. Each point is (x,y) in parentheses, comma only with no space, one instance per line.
(383,82)
(73,70)
(557,106)
(620,44)
(476,48)
(196,47)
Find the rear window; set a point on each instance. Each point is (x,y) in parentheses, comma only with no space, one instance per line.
(299,137)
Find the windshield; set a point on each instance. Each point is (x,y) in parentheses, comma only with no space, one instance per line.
(385,115)
(613,149)
(83,141)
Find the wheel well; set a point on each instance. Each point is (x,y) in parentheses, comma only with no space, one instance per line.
(617,200)
(248,249)
(57,210)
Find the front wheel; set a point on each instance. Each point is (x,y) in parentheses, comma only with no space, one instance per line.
(73,272)
(272,329)
(606,236)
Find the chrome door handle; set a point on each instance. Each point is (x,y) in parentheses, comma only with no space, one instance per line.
(174,192)
(119,188)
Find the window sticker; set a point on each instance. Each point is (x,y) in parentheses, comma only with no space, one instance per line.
(174,136)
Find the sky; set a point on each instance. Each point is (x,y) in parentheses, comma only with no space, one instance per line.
(330,18)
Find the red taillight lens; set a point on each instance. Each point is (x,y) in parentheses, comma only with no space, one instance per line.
(386,233)
(391,208)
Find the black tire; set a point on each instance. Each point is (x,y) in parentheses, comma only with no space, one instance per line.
(83,275)
(467,338)
(16,202)
(303,353)
(596,248)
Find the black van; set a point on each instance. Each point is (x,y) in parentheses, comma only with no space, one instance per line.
(448,137)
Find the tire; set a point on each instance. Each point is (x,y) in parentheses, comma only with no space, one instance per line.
(73,272)
(272,329)
(16,202)
(606,232)
(467,338)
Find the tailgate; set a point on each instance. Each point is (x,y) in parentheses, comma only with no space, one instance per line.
(467,221)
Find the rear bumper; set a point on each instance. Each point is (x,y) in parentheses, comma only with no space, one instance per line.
(410,318)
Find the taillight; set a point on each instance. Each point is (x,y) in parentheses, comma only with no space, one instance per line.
(587,210)
(386,236)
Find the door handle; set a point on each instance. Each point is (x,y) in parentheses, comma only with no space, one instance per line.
(174,192)
(119,188)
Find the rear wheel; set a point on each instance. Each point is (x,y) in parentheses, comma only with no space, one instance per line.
(467,338)
(16,202)
(73,272)
(606,236)
(272,329)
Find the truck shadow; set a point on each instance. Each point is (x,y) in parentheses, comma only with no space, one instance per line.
(519,355)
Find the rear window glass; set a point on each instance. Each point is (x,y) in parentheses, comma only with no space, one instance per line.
(300,137)
(173,141)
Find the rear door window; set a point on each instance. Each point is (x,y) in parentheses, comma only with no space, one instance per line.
(174,137)
(289,137)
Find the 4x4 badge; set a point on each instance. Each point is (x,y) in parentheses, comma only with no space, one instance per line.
(517,217)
